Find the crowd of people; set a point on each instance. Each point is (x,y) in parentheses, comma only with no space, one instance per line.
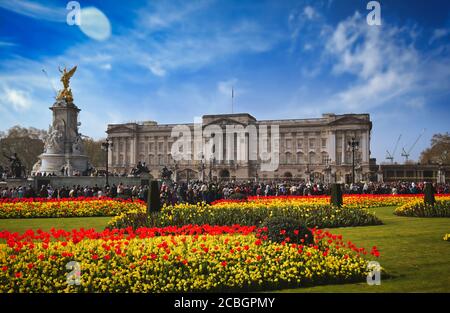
(196,191)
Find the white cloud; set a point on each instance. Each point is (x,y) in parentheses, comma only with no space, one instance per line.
(416,103)
(18,99)
(310,13)
(106,66)
(438,34)
(162,14)
(36,10)
(383,61)
(7,43)
(227,86)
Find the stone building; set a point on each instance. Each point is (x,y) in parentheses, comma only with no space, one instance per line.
(313,149)
(413,172)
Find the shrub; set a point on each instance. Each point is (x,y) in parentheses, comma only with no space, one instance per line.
(336,195)
(281,229)
(153,201)
(429,194)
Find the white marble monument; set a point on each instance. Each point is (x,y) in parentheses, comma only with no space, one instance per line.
(64,151)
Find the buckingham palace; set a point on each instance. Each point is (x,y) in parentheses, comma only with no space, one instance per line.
(331,148)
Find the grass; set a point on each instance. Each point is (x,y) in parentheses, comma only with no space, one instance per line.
(412,249)
(412,252)
(21,225)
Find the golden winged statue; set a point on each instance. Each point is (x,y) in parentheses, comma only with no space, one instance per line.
(66,93)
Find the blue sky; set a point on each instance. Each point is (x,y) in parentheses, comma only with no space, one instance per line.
(170,61)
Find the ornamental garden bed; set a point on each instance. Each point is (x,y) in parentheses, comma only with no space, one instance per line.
(175,259)
(417,208)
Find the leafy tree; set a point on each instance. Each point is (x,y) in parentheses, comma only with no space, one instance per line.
(93,149)
(439,150)
(26,142)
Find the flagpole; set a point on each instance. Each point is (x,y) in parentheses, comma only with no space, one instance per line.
(232,99)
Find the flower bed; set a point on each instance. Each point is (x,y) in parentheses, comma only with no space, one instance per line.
(86,207)
(361,201)
(447,237)
(193,258)
(248,213)
(76,207)
(418,208)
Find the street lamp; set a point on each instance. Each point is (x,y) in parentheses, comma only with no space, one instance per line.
(354,146)
(212,162)
(105,146)
(202,168)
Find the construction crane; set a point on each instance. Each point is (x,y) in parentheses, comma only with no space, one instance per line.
(407,154)
(390,156)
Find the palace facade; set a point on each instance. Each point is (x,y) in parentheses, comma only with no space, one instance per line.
(315,149)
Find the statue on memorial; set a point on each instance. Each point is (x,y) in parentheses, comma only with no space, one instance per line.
(66,92)
(166,174)
(37,167)
(77,146)
(55,140)
(140,169)
(16,167)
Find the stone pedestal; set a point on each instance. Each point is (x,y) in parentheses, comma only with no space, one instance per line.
(58,163)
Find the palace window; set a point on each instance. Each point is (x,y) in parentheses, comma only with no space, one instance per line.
(312,158)
(338,158)
(324,143)
(324,158)
(288,158)
(300,158)
(299,143)
(288,144)
(311,143)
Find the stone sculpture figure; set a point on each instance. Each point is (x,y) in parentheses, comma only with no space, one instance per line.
(166,173)
(16,166)
(55,141)
(77,146)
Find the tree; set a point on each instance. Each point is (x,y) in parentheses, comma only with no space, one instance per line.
(439,150)
(93,149)
(26,142)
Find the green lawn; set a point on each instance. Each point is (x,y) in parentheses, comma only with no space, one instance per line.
(412,249)
(21,225)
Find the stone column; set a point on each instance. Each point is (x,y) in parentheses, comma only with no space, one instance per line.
(365,146)
(331,149)
(124,151)
(167,153)
(134,148)
(343,148)
(110,154)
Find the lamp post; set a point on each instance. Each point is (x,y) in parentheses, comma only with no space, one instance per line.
(202,168)
(354,146)
(212,163)
(308,173)
(105,146)
(328,169)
